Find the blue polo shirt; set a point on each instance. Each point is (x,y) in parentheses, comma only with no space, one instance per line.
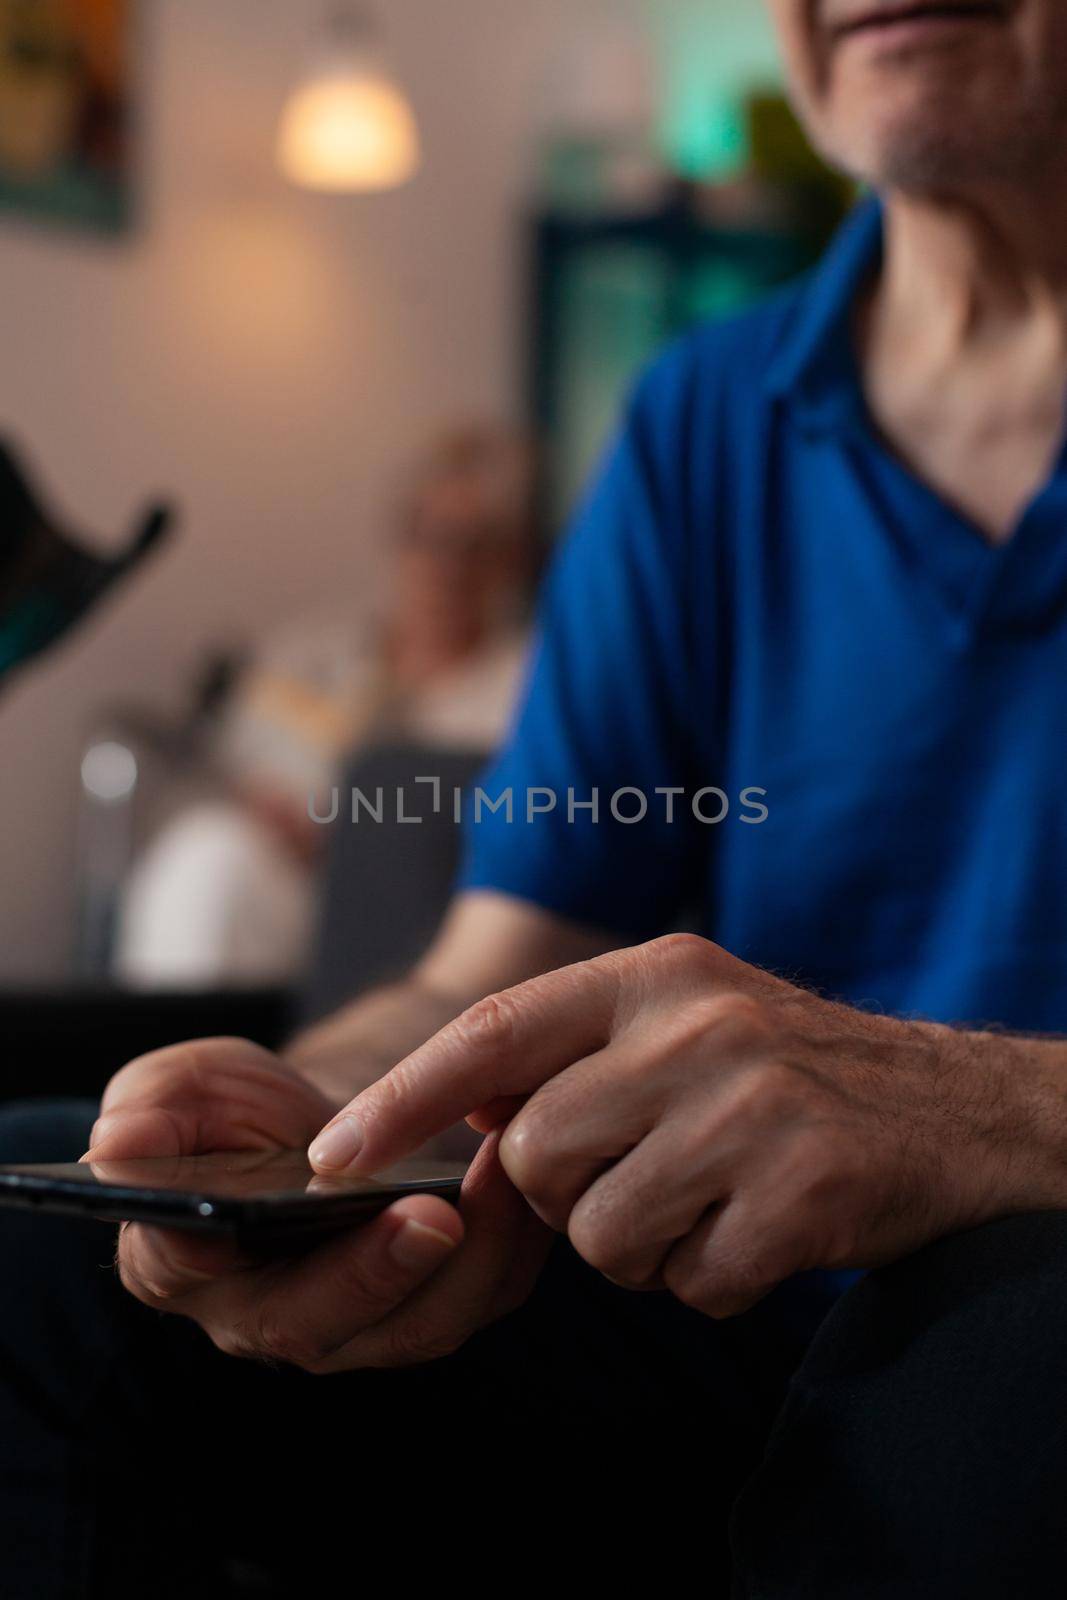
(758,598)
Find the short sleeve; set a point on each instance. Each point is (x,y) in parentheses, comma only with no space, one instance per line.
(605,718)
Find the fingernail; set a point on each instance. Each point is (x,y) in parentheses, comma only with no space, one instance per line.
(417,1248)
(339,1145)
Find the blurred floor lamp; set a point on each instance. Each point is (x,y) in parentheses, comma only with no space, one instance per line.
(110,776)
(348,127)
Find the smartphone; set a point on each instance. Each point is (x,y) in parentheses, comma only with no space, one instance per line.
(265,1196)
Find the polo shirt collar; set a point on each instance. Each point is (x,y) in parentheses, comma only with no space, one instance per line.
(814,366)
(815,371)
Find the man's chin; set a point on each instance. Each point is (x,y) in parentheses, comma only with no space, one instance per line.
(947,136)
(937,154)
(918,163)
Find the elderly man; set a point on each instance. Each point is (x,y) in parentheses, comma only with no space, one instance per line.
(824,575)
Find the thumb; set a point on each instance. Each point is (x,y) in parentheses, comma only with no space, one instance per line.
(141,1132)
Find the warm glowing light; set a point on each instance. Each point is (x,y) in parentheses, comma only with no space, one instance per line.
(346,131)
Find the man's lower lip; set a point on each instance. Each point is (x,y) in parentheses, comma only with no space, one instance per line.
(918,29)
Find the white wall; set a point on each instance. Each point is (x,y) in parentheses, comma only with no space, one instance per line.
(267,357)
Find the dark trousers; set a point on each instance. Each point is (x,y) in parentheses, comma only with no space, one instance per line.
(920,1446)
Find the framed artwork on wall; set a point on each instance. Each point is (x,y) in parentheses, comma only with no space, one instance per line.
(65,110)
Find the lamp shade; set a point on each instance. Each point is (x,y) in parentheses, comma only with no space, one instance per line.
(348,128)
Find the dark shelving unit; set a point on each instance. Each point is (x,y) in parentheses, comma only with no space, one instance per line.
(607,291)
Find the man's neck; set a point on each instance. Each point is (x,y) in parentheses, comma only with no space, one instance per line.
(968,269)
(964,347)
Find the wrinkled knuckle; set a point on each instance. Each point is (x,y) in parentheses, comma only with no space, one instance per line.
(415,1344)
(631,1279)
(267,1335)
(155,1291)
(625,1275)
(598,1242)
(165,1076)
(522,1152)
(691,1288)
(315,1363)
(490,1024)
(135,1283)
(722,1305)
(123,1080)
(140,1076)
(392,1091)
(320,1367)
(438,1346)
(683,952)
(208,1055)
(232,1341)
(724,1293)
(143,1274)
(285,1344)
(377,1288)
(729,1279)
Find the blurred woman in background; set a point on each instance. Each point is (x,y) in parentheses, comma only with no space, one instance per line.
(224,893)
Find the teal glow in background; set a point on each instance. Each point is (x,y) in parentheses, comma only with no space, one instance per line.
(711,53)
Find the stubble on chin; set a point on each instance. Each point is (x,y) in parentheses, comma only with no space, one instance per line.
(946,151)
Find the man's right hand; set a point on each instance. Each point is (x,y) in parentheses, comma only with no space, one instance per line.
(410,1286)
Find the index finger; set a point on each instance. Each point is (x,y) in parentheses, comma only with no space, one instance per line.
(505,1046)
